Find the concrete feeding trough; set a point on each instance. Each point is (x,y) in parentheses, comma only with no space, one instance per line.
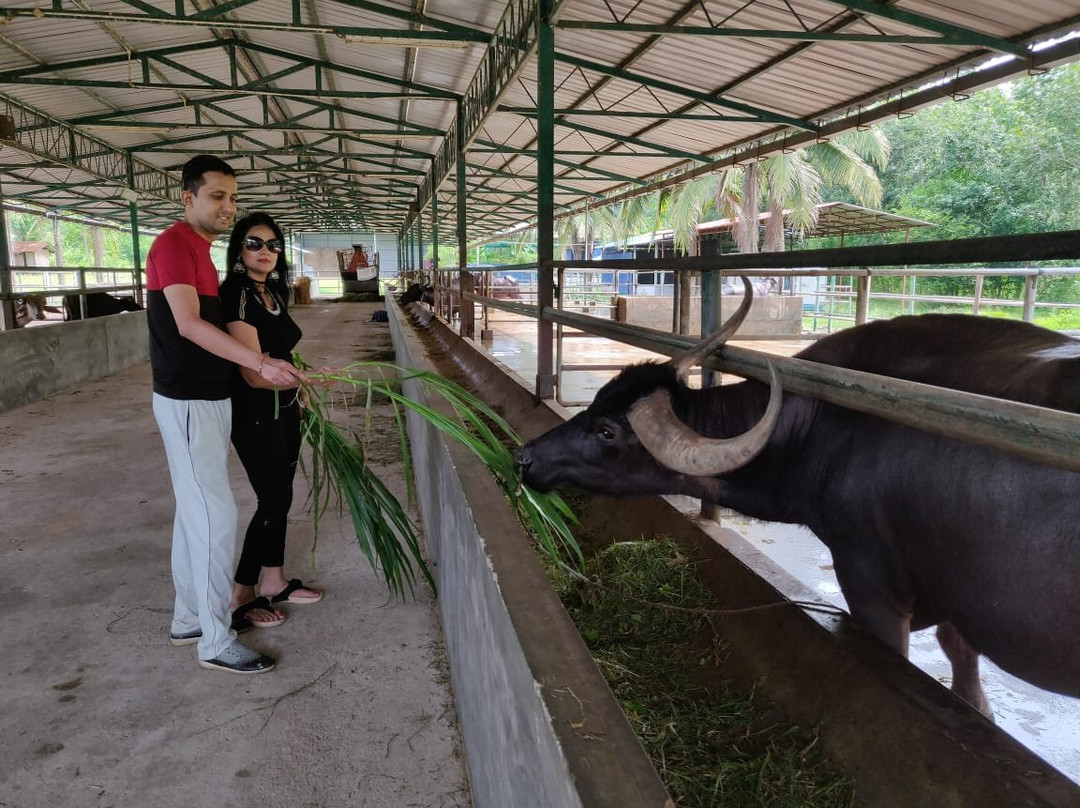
(36,362)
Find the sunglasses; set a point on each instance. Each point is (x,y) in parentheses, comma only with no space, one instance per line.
(254,243)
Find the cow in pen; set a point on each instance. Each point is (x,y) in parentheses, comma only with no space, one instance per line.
(98,304)
(924,530)
(498,287)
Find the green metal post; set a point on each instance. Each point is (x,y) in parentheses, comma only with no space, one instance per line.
(420,239)
(136,256)
(7,305)
(462,223)
(434,232)
(464,277)
(545,198)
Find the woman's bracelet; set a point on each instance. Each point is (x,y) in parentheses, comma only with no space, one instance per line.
(261,362)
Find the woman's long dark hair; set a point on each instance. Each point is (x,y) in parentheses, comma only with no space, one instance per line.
(236,245)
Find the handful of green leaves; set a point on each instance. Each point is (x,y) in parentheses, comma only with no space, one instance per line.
(340,475)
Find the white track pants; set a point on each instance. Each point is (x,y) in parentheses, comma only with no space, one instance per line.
(196,436)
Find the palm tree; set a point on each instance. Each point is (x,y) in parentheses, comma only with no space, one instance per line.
(608,223)
(790,185)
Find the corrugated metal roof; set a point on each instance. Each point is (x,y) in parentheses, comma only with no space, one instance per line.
(338,112)
(833,219)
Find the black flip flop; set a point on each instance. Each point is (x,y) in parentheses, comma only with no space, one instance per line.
(241,622)
(285,595)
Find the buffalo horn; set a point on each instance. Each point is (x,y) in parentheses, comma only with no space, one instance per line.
(678,447)
(684,362)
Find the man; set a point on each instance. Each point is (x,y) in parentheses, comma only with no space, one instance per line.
(192,359)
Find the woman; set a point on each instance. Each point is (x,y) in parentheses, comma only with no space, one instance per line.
(265,431)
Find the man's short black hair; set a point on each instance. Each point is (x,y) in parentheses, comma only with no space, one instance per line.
(192,176)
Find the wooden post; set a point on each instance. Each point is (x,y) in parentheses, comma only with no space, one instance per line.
(862,299)
(676,304)
(1031,284)
(466,308)
(980,281)
(685,293)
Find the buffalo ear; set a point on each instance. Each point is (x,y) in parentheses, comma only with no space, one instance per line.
(678,447)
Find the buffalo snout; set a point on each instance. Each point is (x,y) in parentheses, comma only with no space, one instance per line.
(522,459)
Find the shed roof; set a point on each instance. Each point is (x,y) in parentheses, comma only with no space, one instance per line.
(843,219)
(348,114)
(833,219)
(19,247)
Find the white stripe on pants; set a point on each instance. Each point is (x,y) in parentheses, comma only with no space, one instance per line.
(196,437)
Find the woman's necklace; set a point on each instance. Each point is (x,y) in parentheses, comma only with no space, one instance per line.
(265,295)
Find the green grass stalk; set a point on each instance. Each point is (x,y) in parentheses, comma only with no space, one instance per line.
(339,473)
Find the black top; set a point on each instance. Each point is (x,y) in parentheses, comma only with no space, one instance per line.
(182,369)
(278,335)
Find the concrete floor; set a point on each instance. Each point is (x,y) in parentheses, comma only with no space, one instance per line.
(99,710)
(513,343)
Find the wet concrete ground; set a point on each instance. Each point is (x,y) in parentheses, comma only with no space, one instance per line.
(1047,723)
(99,710)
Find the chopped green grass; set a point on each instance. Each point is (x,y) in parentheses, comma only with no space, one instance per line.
(644,615)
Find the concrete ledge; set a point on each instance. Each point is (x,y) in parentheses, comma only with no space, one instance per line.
(540,726)
(775,315)
(37,362)
(905,739)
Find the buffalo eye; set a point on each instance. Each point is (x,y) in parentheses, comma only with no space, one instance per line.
(605,432)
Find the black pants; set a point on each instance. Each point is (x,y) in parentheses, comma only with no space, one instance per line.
(269,449)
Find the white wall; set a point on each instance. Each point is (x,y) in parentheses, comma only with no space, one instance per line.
(319,257)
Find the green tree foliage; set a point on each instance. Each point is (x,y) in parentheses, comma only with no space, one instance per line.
(28,227)
(955,164)
(1050,105)
(77,240)
(789,183)
(1000,162)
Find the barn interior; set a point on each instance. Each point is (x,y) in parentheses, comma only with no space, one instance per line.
(411,124)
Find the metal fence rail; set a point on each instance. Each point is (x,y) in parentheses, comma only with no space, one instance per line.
(1037,433)
(16,288)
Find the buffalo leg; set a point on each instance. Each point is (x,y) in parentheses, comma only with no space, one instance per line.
(871,603)
(965,668)
(891,628)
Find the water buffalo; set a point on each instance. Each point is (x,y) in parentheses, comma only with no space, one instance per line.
(498,287)
(29,308)
(924,530)
(418,294)
(98,304)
